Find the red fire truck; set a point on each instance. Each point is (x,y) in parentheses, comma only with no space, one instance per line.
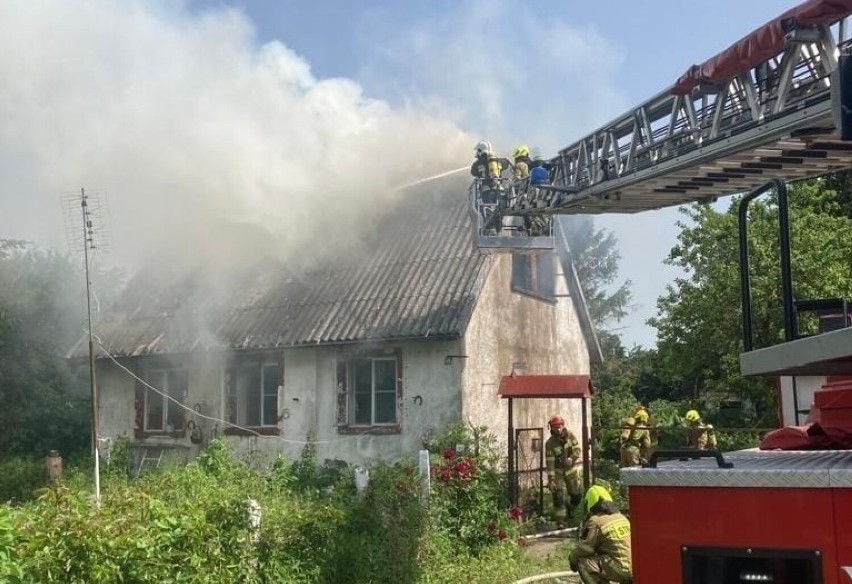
(773,107)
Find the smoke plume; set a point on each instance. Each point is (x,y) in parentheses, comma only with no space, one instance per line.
(203,139)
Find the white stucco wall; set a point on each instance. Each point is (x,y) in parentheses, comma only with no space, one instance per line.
(507,328)
(307,403)
(117,397)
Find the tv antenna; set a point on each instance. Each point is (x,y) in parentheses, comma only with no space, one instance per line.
(86,232)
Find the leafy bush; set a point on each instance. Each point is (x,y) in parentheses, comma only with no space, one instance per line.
(20,477)
(191,525)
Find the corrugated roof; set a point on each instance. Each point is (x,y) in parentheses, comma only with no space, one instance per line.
(418,277)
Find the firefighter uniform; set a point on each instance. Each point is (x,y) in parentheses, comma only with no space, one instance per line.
(635,440)
(564,469)
(604,551)
(488,169)
(699,435)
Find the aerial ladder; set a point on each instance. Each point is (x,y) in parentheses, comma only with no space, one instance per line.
(774,107)
(766,107)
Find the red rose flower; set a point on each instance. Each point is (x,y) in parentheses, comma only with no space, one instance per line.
(449,453)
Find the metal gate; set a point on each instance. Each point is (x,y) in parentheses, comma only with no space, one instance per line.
(529,468)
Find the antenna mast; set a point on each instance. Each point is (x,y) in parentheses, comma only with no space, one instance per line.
(93,238)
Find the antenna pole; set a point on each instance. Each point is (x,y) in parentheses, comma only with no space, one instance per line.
(88,240)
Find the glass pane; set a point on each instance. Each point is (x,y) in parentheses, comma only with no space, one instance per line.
(176,390)
(363,408)
(251,394)
(385,407)
(385,374)
(270,410)
(521,272)
(270,395)
(231,390)
(154,406)
(546,274)
(270,380)
(362,375)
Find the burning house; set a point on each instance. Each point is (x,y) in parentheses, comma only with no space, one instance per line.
(368,354)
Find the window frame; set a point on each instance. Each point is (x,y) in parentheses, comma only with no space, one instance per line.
(236,369)
(346,392)
(530,279)
(145,372)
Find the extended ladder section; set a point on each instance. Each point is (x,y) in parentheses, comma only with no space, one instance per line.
(766,107)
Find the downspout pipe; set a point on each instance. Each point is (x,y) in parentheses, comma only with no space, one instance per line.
(780,187)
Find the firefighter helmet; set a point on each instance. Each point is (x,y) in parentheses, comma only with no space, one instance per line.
(595,495)
(483,147)
(522,150)
(641,415)
(692,416)
(556,420)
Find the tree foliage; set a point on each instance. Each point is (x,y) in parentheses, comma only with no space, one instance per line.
(699,322)
(45,397)
(596,258)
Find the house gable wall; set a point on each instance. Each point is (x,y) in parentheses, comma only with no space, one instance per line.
(509,328)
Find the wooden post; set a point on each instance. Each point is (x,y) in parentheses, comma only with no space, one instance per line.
(513,491)
(53,464)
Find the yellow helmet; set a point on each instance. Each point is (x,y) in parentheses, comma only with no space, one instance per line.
(692,416)
(595,495)
(641,415)
(522,150)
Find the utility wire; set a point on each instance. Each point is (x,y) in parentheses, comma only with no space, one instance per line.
(212,418)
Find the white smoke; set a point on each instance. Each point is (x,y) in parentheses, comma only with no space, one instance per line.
(514,70)
(200,137)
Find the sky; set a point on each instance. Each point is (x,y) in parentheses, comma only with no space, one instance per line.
(210,126)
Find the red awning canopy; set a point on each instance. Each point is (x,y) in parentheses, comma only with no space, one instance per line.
(761,44)
(556,386)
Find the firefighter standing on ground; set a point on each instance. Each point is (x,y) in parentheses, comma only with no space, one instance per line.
(699,435)
(564,469)
(603,554)
(635,439)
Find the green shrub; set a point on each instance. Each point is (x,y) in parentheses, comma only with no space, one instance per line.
(190,525)
(20,478)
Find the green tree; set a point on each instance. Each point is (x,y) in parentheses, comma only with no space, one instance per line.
(699,318)
(596,258)
(45,397)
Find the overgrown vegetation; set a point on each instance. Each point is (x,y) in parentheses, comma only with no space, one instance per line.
(191,524)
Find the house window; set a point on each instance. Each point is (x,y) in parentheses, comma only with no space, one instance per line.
(534,274)
(160,399)
(368,390)
(251,388)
